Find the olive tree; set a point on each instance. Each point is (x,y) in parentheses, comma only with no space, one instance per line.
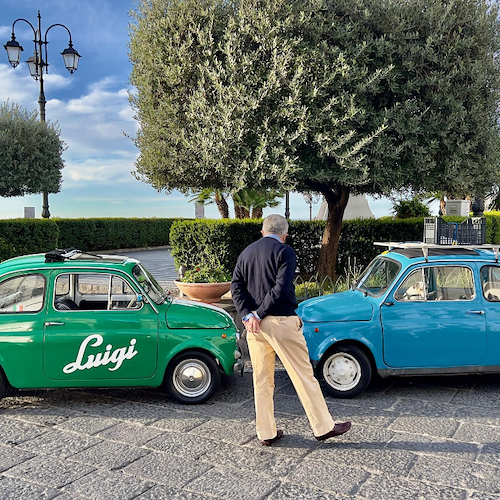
(30,153)
(332,96)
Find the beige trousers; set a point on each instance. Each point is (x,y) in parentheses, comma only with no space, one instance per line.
(282,335)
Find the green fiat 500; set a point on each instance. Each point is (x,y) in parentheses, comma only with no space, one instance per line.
(70,319)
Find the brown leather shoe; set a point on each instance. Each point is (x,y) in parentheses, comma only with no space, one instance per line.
(337,430)
(269,442)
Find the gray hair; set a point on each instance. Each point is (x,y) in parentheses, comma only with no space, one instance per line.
(275,224)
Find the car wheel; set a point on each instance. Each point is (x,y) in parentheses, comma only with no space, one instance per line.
(3,384)
(192,377)
(346,371)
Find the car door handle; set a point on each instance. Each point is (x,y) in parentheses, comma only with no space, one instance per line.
(54,323)
(475,312)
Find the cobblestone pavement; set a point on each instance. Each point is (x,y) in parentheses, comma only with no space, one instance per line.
(418,438)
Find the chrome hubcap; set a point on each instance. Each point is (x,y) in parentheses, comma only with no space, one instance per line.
(342,371)
(192,378)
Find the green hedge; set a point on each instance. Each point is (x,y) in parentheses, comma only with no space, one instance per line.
(24,236)
(219,242)
(113,233)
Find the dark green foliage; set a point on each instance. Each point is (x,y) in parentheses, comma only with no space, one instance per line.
(25,236)
(406,209)
(30,153)
(113,233)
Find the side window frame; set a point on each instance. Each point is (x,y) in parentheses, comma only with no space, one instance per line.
(483,285)
(43,294)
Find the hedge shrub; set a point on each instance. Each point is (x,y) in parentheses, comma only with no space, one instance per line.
(113,233)
(24,236)
(219,242)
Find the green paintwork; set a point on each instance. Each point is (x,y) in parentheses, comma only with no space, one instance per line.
(103,348)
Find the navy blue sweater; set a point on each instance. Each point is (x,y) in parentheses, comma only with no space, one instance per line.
(263,279)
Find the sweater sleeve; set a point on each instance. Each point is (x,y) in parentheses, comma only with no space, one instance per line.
(239,292)
(284,282)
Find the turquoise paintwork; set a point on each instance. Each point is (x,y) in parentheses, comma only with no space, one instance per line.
(130,346)
(412,337)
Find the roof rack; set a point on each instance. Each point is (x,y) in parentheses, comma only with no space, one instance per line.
(426,246)
(62,254)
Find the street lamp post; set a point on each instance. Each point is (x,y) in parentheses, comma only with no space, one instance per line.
(37,65)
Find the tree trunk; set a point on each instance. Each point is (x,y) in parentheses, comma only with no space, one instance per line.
(336,198)
(257,213)
(240,212)
(222,205)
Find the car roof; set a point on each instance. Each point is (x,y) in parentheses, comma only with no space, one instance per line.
(82,260)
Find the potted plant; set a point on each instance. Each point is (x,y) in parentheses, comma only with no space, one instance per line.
(206,284)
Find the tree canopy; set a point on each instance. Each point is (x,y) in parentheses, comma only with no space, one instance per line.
(30,153)
(333,96)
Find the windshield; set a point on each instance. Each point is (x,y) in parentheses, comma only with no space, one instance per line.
(378,276)
(149,285)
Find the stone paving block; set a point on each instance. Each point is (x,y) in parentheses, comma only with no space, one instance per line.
(110,455)
(287,404)
(167,493)
(44,415)
(481,496)
(232,485)
(49,471)
(136,412)
(85,402)
(255,460)
(361,414)
(17,489)
(58,443)
(477,398)
(108,486)
(228,430)
(333,477)
(87,424)
(10,456)
(457,473)
(421,391)
(485,416)
(374,460)
(182,445)
(235,389)
(477,433)
(166,469)
(378,400)
(290,491)
(389,487)
(418,408)
(180,422)
(429,445)
(136,435)
(222,410)
(362,436)
(431,426)
(15,432)
(490,454)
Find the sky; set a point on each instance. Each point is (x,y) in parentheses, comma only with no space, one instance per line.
(93,112)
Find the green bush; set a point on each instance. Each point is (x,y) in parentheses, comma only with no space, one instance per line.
(25,236)
(113,233)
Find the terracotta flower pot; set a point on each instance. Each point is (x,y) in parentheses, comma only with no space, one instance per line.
(204,292)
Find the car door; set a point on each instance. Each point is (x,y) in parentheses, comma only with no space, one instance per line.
(490,283)
(434,319)
(96,329)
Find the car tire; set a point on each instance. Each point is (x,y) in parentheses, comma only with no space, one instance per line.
(192,377)
(3,384)
(346,371)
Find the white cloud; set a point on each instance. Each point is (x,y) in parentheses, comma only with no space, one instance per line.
(5,31)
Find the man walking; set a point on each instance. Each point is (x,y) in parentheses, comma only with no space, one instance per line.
(264,295)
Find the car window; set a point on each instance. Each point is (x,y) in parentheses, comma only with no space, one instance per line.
(22,294)
(94,291)
(446,283)
(378,276)
(490,279)
(149,284)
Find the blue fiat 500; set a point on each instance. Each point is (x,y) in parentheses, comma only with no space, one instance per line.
(416,310)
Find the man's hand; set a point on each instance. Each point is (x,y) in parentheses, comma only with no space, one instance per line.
(252,325)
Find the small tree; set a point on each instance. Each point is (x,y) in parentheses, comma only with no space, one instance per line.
(30,153)
(414,207)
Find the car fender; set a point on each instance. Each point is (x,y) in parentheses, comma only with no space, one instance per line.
(356,332)
(222,359)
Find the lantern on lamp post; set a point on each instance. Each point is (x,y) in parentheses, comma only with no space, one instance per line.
(37,65)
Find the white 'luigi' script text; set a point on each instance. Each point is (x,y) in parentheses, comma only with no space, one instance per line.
(118,356)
